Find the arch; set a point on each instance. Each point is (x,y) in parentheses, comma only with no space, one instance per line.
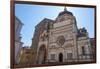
(60,57)
(42,54)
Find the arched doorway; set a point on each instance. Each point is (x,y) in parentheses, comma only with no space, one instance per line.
(60,57)
(42,54)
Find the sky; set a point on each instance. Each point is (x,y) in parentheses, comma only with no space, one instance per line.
(31,15)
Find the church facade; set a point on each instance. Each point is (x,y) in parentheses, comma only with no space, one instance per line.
(60,40)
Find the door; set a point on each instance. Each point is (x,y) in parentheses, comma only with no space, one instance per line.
(42,55)
(60,57)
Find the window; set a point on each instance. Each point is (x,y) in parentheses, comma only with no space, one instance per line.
(69,56)
(60,40)
(83,50)
(52,56)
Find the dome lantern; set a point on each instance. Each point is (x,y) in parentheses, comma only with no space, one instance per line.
(65,12)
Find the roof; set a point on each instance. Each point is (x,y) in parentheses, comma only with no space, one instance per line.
(19,21)
(45,20)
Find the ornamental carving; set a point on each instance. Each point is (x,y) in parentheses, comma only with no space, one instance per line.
(60,40)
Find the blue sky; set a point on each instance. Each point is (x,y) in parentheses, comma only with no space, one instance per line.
(31,15)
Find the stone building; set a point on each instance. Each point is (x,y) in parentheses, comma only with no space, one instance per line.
(60,40)
(92,40)
(25,56)
(18,43)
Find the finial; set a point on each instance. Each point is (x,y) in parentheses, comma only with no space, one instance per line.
(65,9)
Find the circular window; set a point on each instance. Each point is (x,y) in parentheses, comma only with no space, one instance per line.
(60,40)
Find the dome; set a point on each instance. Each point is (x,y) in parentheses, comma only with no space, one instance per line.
(65,12)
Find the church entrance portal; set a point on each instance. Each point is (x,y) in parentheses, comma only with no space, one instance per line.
(60,57)
(42,54)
